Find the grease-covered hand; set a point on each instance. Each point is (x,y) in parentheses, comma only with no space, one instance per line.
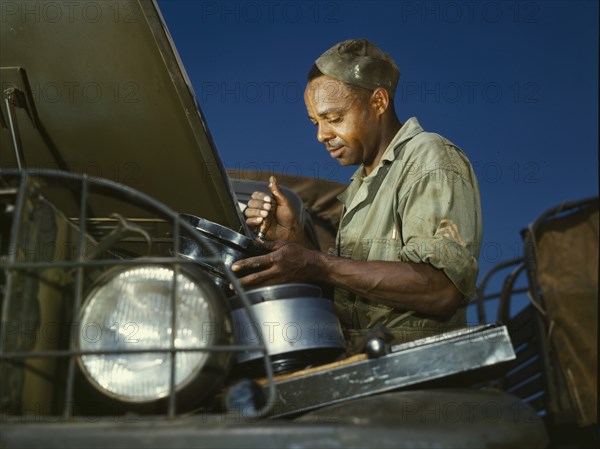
(288,262)
(284,225)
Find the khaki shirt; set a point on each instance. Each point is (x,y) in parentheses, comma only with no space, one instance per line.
(420,204)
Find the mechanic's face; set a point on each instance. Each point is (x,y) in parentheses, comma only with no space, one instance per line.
(346,122)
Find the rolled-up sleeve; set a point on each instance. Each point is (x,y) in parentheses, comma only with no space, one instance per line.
(441,223)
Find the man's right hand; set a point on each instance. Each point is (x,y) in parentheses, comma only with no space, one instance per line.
(284,225)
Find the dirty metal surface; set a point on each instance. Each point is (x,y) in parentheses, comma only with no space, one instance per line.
(408,364)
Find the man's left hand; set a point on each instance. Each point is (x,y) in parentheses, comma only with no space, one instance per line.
(288,262)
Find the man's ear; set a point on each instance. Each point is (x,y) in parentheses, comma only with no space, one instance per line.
(380,100)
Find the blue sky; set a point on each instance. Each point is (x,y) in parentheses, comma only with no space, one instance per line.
(513,83)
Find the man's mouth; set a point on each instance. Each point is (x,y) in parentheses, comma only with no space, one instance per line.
(335,152)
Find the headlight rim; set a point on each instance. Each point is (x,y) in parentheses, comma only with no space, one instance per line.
(219,311)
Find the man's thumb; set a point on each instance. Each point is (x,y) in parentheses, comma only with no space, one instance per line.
(276,191)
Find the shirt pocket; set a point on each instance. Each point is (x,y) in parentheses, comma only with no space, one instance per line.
(381,249)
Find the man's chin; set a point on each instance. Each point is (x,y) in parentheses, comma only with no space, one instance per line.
(348,164)
(345,161)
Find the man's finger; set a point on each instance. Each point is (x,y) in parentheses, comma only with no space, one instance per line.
(259,204)
(251,263)
(255,203)
(257,195)
(254,221)
(258,278)
(252,212)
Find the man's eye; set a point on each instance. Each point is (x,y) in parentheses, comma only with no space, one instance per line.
(335,120)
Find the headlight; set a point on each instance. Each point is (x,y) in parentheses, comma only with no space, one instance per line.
(131,309)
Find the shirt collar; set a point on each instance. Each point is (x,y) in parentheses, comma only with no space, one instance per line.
(409,130)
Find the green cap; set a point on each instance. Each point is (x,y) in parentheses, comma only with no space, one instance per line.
(359,62)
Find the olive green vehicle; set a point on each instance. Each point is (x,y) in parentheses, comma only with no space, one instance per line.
(118,226)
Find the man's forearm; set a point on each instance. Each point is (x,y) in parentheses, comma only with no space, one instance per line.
(406,285)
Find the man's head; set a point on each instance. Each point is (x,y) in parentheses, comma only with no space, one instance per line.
(360,63)
(349,98)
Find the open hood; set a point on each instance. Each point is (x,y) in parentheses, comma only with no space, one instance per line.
(98,88)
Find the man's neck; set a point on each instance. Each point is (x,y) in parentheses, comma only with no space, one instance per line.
(390,127)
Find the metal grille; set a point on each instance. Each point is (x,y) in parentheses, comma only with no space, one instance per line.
(29,184)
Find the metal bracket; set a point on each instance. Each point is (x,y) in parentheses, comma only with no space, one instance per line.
(122,228)
(16,94)
(408,364)
(14,98)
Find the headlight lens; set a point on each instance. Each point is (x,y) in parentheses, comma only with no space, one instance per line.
(132,310)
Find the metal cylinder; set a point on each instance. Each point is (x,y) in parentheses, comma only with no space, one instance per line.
(288,327)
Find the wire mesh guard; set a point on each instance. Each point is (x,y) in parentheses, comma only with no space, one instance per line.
(64,233)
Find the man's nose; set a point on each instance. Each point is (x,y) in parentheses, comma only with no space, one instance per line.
(324,133)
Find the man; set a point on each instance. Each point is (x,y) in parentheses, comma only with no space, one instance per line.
(410,231)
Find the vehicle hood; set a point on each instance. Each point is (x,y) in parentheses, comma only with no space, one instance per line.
(106,94)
